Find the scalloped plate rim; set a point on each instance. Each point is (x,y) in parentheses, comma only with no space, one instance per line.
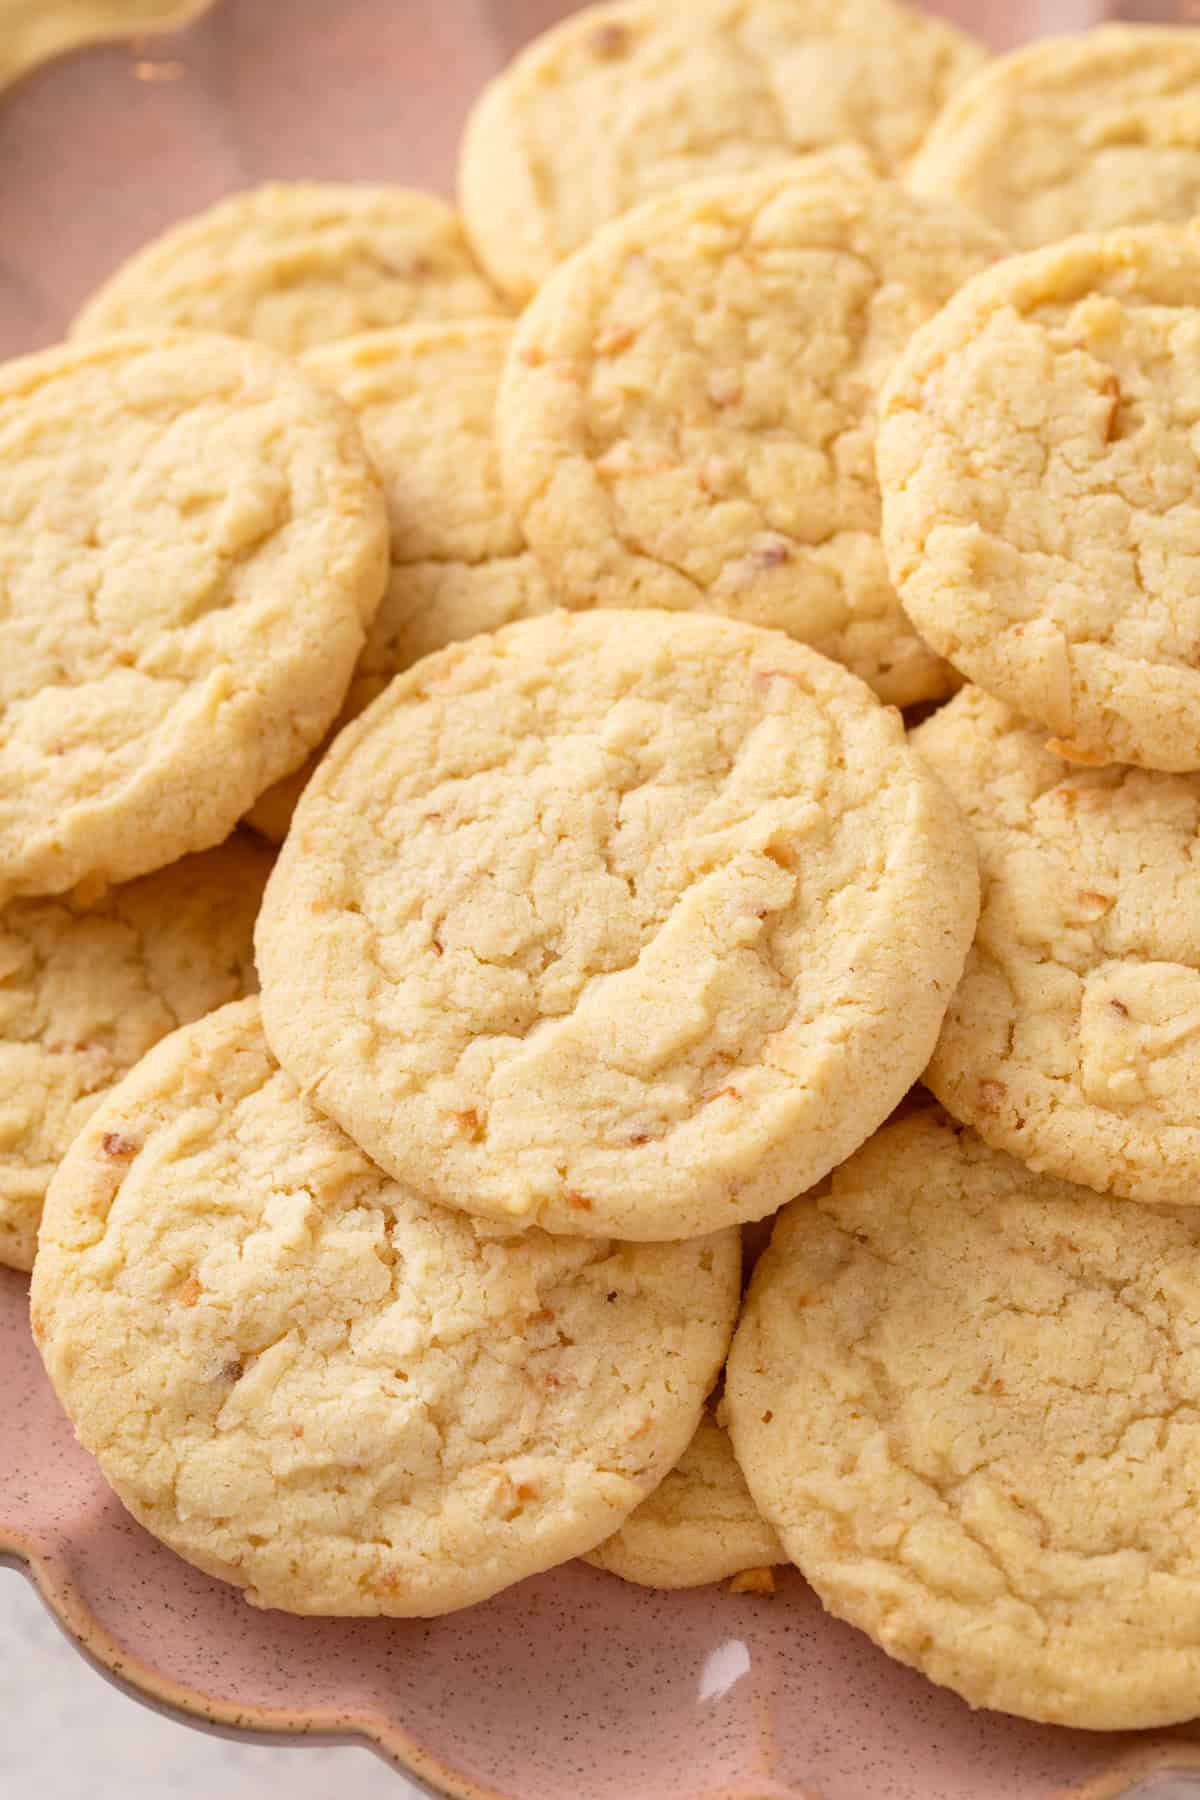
(127,1672)
(199,1712)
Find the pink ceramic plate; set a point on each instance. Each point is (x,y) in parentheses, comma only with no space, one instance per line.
(572,1686)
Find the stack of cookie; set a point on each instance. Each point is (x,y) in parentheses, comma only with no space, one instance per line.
(563,654)
(191,541)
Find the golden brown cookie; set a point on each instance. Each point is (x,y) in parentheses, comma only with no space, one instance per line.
(87,990)
(698,1526)
(968,1399)
(425,397)
(317,1386)
(1070,134)
(617,923)
(295,264)
(1039,462)
(1073,1040)
(192,544)
(622,102)
(687,418)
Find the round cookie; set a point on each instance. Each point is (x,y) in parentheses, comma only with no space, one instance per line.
(688,413)
(86,991)
(1040,472)
(425,398)
(621,103)
(295,264)
(1082,133)
(315,1385)
(1073,1040)
(192,543)
(628,923)
(698,1526)
(968,1399)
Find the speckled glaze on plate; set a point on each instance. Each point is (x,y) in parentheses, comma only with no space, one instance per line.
(572,1686)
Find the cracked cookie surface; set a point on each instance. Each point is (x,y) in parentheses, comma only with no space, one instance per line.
(425,398)
(295,264)
(624,102)
(319,1387)
(1040,466)
(1073,1040)
(86,991)
(628,922)
(1083,133)
(968,1399)
(687,417)
(192,543)
(698,1526)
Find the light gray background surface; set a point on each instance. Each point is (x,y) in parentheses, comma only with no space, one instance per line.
(67,1734)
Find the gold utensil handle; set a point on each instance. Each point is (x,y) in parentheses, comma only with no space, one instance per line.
(34,31)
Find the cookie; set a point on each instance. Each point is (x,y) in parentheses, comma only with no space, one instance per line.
(313,1384)
(688,413)
(968,1399)
(295,264)
(425,397)
(698,1526)
(86,991)
(192,543)
(1074,1038)
(628,923)
(621,103)
(1039,468)
(1072,134)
